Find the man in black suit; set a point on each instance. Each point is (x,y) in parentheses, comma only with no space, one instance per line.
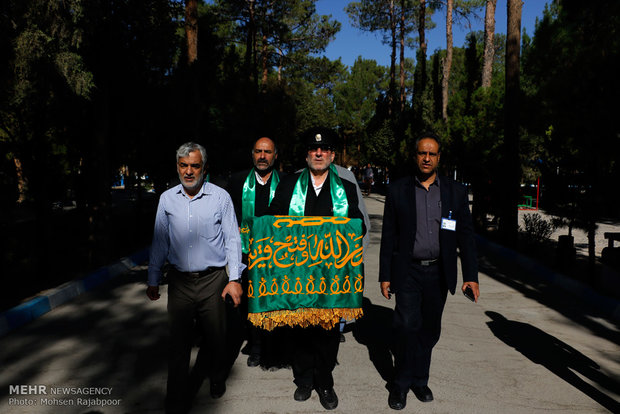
(254,185)
(252,191)
(316,191)
(426,218)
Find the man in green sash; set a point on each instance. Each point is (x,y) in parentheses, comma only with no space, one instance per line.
(316,191)
(251,192)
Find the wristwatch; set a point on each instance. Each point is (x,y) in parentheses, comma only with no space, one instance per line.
(235,280)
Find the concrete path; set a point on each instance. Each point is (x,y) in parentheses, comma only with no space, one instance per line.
(580,236)
(524,348)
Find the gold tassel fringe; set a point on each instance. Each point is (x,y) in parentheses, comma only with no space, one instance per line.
(304,317)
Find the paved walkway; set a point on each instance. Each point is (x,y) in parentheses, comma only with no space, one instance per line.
(524,348)
(580,236)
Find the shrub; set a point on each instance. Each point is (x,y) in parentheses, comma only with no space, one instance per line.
(536,228)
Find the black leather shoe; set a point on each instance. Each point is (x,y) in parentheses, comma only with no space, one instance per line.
(423,394)
(302,393)
(397,400)
(328,398)
(253,360)
(217,389)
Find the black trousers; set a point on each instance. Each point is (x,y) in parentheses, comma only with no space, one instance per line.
(315,351)
(195,300)
(417,323)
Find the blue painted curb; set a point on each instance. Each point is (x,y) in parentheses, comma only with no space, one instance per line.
(609,307)
(28,311)
(40,305)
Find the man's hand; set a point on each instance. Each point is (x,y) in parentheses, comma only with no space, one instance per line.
(235,291)
(475,287)
(385,290)
(153,292)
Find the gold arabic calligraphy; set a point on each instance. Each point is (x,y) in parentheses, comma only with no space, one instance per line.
(310,249)
(306,250)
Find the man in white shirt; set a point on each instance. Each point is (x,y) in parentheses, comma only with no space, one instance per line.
(197,233)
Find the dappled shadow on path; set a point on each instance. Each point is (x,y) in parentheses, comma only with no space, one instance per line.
(557,356)
(550,296)
(375,228)
(110,337)
(374,331)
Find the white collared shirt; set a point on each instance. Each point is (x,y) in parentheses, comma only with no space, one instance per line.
(195,233)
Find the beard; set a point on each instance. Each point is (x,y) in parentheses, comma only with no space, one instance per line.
(263,166)
(319,166)
(191,185)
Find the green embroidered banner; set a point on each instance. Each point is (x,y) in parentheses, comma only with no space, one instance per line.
(304,270)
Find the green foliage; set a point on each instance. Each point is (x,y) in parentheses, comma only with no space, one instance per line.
(72,68)
(355,102)
(374,16)
(43,74)
(46,41)
(537,229)
(355,96)
(586,53)
(320,72)
(474,131)
(279,34)
(314,86)
(378,148)
(570,82)
(394,20)
(73,71)
(100,84)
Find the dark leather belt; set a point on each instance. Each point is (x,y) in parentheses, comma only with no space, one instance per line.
(202,273)
(428,262)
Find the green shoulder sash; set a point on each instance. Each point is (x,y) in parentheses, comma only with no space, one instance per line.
(248,202)
(338,194)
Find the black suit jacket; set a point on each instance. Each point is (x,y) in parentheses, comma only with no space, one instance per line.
(399,228)
(261,201)
(315,206)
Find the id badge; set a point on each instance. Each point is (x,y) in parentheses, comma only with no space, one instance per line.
(448,224)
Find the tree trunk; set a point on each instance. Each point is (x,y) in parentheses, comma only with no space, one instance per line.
(419,79)
(392,91)
(402,56)
(250,47)
(280,73)
(191,30)
(264,59)
(512,169)
(421,35)
(592,244)
(22,183)
(489,50)
(447,64)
